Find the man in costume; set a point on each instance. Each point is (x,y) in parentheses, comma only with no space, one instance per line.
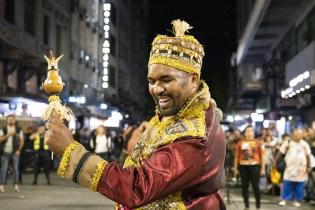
(178,162)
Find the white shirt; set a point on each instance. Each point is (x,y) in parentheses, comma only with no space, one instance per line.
(268,152)
(296,160)
(9,143)
(103,144)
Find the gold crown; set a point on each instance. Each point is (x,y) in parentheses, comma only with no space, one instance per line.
(182,52)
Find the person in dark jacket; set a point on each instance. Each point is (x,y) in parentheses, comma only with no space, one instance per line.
(12,140)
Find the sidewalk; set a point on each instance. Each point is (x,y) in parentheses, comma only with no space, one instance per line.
(60,195)
(63,195)
(268,202)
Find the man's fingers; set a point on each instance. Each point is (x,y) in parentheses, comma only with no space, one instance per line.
(55,123)
(55,119)
(50,125)
(47,136)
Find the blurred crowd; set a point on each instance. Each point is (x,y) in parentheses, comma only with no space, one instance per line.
(26,150)
(282,166)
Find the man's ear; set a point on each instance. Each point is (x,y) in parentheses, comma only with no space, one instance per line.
(195,79)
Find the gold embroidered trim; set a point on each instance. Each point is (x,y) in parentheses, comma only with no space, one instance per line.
(191,116)
(175,63)
(172,202)
(97,175)
(192,119)
(187,40)
(66,158)
(182,52)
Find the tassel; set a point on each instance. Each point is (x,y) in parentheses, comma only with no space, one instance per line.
(180,27)
(56,108)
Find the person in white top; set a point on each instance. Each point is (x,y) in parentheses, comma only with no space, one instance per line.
(102,143)
(297,161)
(11,144)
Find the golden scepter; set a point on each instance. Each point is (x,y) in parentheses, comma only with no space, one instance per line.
(53,85)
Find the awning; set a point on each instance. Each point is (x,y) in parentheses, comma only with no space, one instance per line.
(268,23)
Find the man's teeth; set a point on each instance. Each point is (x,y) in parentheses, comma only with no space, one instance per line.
(163,101)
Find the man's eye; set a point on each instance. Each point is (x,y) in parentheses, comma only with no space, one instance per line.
(151,82)
(167,80)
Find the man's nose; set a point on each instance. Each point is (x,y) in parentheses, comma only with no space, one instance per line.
(158,89)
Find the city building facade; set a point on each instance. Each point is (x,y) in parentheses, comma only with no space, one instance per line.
(105,52)
(275,61)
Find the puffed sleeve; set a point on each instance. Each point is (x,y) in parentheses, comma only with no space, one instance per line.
(171,168)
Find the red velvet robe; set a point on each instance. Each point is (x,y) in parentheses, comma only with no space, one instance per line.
(193,166)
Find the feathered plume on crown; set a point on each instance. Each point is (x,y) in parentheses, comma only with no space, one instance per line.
(180,27)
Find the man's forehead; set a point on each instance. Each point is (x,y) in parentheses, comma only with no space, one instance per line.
(160,70)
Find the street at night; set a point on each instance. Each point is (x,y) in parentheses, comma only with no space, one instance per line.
(64,195)
(157,105)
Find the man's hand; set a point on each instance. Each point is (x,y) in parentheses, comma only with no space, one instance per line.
(12,133)
(236,172)
(17,153)
(58,136)
(262,172)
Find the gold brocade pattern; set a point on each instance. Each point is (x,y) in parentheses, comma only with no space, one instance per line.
(173,62)
(97,175)
(66,158)
(181,51)
(172,202)
(190,121)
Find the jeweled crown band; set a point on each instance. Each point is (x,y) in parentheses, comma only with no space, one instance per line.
(184,49)
(175,63)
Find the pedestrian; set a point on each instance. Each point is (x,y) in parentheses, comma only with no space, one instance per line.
(42,153)
(297,159)
(126,136)
(118,141)
(85,137)
(28,159)
(269,150)
(136,135)
(12,141)
(25,155)
(101,144)
(249,163)
(178,162)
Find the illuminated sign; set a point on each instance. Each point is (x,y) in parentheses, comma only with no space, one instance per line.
(77,99)
(295,85)
(106,44)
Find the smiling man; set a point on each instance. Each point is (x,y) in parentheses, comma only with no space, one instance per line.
(178,162)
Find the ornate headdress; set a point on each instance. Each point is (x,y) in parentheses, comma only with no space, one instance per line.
(182,52)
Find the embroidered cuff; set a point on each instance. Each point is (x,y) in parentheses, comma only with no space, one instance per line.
(92,171)
(97,175)
(66,158)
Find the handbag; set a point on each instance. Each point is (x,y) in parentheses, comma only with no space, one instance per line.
(280,164)
(275,176)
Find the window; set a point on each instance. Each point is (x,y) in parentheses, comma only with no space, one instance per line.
(29,16)
(58,39)
(46,30)
(9,11)
(112,42)
(112,76)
